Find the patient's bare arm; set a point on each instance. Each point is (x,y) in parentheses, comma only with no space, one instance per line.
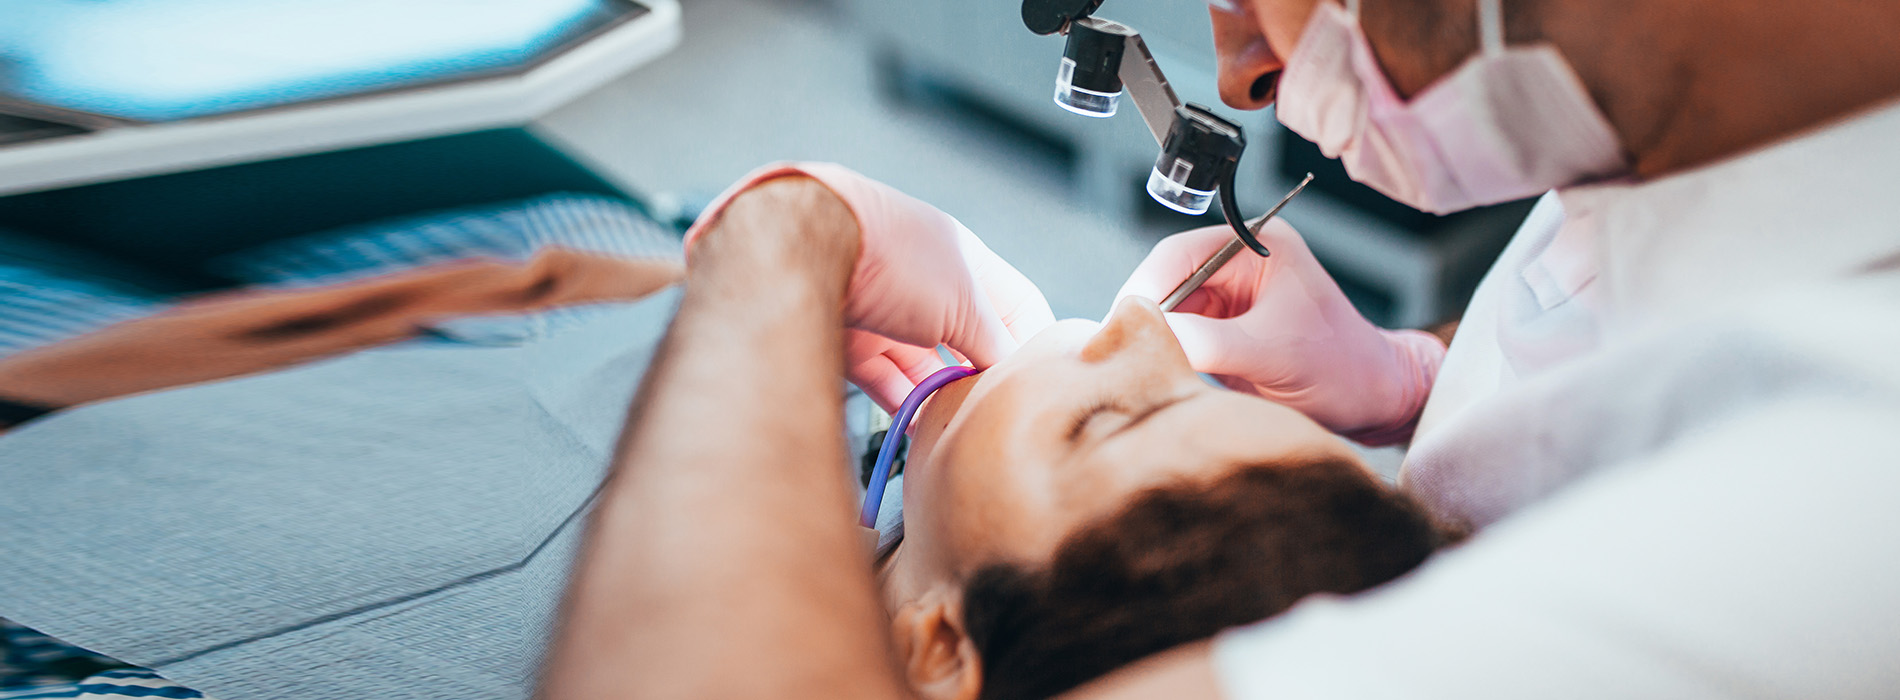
(722,560)
(245,332)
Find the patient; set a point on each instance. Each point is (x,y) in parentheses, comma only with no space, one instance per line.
(1086,501)
(1091,501)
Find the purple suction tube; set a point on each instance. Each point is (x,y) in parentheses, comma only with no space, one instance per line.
(886,453)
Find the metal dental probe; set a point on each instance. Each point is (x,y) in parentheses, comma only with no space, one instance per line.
(1226,253)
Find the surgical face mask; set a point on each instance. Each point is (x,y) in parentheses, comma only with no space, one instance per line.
(1510,123)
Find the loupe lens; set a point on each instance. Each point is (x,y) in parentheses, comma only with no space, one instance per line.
(1088,103)
(1089,81)
(1201,147)
(1171,189)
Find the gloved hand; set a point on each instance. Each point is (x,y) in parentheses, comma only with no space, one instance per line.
(921,280)
(1278,327)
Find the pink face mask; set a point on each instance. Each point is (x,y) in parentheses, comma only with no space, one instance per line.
(1512,122)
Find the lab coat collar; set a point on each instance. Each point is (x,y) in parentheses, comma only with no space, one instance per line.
(1812,208)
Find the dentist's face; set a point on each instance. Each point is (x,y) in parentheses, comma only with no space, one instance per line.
(1084,416)
(1415,41)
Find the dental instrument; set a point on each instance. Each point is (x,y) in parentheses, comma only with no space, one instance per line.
(1226,253)
(900,423)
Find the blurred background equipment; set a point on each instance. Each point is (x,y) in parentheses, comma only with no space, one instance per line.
(163,60)
(162,133)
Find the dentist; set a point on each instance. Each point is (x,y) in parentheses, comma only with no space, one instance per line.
(1669,412)
(1669,407)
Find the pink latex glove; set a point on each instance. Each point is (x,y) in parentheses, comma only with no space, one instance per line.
(922,279)
(1278,327)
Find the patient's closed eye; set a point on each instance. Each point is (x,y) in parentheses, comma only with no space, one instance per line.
(1114,407)
(1097,408)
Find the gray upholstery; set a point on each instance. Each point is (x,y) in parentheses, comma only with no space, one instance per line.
(396,523)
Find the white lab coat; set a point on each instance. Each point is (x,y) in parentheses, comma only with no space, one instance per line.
(1674,407)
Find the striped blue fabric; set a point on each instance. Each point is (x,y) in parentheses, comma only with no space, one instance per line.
(33,665)
(39,307)
(515,232)
(28,658)
(108,685)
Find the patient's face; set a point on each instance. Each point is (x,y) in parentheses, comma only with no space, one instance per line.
(1007,463)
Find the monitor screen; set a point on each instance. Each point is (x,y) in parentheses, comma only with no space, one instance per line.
(164,60)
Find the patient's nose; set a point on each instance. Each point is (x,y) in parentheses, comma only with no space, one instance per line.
(1135,325)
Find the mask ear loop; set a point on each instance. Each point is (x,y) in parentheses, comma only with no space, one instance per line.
(1491,26)
(900,424)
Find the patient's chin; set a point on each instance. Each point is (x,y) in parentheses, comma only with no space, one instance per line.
(928,427)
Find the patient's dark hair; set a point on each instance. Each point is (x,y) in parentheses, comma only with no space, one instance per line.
(1182,562)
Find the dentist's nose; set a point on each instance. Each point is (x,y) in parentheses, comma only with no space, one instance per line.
(1249,70)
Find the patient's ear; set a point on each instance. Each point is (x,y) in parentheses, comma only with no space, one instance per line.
(940,662)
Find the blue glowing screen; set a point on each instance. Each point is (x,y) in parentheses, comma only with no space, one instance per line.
(161,60)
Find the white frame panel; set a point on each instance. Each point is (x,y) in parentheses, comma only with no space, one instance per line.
(401,115)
